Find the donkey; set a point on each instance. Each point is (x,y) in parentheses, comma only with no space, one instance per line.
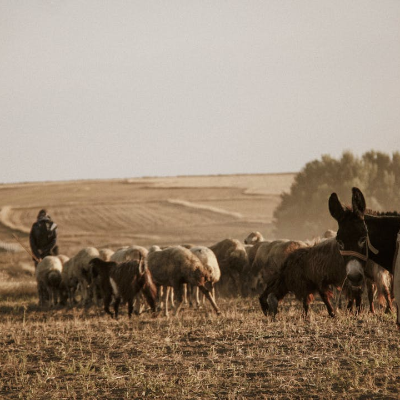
(362,236)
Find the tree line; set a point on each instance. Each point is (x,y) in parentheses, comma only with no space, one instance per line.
(303,212)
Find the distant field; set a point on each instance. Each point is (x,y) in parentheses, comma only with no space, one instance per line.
(80,353)
(146,211)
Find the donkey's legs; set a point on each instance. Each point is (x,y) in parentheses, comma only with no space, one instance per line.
(325,298)
(370,289)
(306,304)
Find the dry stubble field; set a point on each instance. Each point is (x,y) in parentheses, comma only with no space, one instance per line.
(81,353)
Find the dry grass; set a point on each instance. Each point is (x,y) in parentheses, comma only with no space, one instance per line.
(81,353)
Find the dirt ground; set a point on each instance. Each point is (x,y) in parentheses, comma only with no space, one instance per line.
(84,354)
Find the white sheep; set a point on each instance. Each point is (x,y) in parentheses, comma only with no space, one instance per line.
(49,281)
(379,281)
(130,253)
(106,254)
(210,263)
(174,266)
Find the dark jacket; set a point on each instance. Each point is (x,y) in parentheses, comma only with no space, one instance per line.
(43,237)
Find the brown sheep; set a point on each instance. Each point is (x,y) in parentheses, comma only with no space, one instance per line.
(251,250)
(76,273)
(124,281)
(269,259)
(232,260)
(174,266)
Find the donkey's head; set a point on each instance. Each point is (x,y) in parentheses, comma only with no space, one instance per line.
(352,234)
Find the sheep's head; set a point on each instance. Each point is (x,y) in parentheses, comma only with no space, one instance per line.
(254,237)
(94,265)
(253,282)
(154,248)
(97,265)
(87,274)
(269,303)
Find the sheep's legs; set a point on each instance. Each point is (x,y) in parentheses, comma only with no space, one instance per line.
(306,305)
(71,296)
(386,293)
(358,302)
(44,295)
(210,299)
(107,301)
(186,293)
(130,307)
(116,306)
(197,296)
(178,291)
(210,286)
(166,296)
(193,295)
(213,291)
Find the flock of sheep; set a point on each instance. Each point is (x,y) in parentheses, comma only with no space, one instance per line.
(179,274)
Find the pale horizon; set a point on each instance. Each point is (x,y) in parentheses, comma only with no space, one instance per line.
(116,89)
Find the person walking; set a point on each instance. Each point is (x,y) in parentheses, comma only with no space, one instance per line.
(43,237)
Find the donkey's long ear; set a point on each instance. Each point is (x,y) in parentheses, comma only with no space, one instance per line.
(358,202)
(335,207)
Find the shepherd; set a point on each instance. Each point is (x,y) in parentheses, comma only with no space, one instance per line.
(43,237)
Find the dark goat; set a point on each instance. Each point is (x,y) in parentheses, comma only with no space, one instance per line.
(307,271)
(232,260)
(124,281)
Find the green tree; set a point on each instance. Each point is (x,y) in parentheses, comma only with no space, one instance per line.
(303,212)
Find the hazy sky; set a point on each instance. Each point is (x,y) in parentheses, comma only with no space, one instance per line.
(115,89)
